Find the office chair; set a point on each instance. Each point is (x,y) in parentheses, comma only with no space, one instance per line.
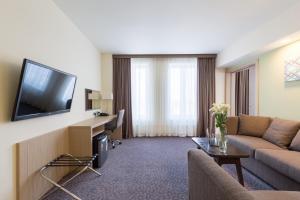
(113,125)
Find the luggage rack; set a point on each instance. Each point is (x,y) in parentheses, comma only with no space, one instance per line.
(68,160)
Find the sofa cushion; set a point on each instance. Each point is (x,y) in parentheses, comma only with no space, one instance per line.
(284,161)
(295,145)
(249,144)
(275,195)
(253,125)
(281,132)
(232,125)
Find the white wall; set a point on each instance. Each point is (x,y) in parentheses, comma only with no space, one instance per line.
(278,98)
(38,30)
(279,31)
(253,90)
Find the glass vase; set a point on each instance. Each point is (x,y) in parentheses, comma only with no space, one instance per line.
(223,140)
(212,141)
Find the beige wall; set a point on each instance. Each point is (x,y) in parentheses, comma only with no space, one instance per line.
(106,72)
(278,98)
(220,85)
(106,81)
(40,31)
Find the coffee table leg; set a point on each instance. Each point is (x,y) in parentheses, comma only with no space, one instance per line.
(239,172)
(238,166)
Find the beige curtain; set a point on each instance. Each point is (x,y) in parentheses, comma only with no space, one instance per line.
(206,93)
(242,92)
(122,92)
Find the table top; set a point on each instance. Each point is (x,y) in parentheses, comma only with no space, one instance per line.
(213,151)
(95,121)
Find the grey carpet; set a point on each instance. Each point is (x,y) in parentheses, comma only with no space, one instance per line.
(144,168)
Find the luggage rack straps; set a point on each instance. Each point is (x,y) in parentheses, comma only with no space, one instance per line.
(66,160)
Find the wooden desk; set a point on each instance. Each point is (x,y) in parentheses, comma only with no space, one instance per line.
(81,134)
(34,153)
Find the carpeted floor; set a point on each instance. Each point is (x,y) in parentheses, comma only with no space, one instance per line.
(144,168)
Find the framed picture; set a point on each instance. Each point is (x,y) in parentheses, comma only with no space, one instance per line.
(292,69)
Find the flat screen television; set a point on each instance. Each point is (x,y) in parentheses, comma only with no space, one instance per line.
(42,91)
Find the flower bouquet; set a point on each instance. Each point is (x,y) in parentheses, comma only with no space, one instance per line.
(220,112)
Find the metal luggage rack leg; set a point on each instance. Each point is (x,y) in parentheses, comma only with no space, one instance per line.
(68,160)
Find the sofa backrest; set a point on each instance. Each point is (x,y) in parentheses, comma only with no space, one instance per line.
(232,124)
(248,125)
(254,126)
(207,180)
(277,131)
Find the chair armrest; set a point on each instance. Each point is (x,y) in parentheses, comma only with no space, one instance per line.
(208,181)
(232,125)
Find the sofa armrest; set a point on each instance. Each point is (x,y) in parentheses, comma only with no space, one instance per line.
(232,125)
(207,180)
(275,195)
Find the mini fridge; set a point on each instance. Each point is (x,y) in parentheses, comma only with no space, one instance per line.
(100,147)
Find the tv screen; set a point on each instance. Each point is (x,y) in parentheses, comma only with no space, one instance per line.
(42,91)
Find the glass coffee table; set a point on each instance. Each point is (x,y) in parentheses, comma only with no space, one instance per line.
(231,156)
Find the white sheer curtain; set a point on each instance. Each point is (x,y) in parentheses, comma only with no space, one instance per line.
(164,96)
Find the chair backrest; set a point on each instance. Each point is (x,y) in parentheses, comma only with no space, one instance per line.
(120,117)
(117,122)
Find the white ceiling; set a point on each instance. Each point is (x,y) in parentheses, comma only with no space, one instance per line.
(169,26)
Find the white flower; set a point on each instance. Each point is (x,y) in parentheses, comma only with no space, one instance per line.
(220,113)
(220,108)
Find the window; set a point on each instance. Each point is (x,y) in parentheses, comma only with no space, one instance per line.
(164,96)
(182,90)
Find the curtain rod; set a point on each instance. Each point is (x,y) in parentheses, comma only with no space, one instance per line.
(163,55)
(243,68)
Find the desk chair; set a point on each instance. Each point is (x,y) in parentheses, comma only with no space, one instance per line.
(113,125)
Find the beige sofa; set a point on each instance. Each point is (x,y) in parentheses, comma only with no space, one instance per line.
(274,148)
(208,181)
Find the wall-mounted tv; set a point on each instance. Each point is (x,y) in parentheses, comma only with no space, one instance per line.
(42,91)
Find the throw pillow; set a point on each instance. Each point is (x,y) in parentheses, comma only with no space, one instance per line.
(295,145)
(232,125)
(253,125)
(281,132)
